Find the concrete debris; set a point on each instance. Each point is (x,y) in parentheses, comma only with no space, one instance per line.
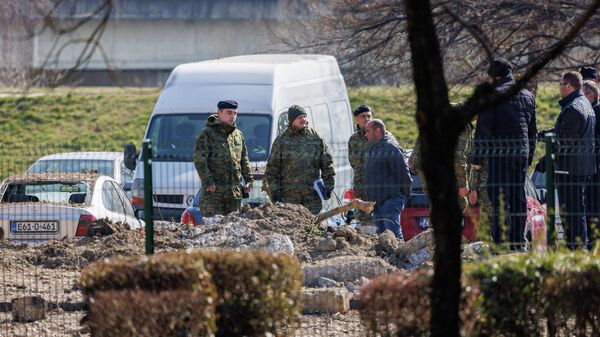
(345,269)
(324,282)
(325,300)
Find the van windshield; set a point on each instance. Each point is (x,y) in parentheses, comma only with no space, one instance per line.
(73,165)
(174,135)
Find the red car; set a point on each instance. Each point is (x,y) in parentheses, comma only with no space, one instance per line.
(415,216)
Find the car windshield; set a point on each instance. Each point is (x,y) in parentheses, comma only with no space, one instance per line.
(101,166)
(174,135)
(57,192)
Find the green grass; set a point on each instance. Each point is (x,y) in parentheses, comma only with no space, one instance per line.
(107,118)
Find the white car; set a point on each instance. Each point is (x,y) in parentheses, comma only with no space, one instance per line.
(106,163)
(46,206)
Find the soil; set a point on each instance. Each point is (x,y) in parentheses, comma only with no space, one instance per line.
(50,270)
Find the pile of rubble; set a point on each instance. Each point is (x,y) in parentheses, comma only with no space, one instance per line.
(335,261)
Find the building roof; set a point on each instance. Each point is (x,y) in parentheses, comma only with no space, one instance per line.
(175,9)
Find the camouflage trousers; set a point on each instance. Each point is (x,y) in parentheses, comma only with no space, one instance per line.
(211,205)
(308,199)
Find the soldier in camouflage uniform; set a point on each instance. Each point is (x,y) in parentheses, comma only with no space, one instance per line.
(461,164)
(357,149)
(221,159)
(299,156)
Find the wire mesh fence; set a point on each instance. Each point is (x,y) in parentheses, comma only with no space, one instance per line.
(39,205)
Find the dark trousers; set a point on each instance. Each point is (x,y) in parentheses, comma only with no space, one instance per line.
(506,187)
(592,202)
(571,197)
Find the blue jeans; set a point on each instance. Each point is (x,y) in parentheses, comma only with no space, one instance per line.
(387,216)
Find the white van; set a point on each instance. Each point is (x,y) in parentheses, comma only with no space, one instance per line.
(264,87)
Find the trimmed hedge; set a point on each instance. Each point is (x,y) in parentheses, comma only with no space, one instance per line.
(524,295)
(152,273)
(151,314)
(399,305)
(256,292)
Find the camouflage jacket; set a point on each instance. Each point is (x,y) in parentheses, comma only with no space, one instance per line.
(297,159)
(221,158)
(462,166)
(357,150)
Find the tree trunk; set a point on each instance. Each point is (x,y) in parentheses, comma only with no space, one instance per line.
(439,126)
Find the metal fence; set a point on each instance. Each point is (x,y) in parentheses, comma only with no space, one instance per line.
(517,204)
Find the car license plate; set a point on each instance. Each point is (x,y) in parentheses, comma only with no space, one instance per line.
(423,223)
(17,227)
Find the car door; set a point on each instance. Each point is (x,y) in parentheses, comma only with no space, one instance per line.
(127,207)
(115,211)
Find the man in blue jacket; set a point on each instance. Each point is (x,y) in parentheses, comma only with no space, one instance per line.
(505,136)
(574,128)
(387,178)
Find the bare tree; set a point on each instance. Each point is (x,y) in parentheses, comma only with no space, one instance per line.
(450,42)
(28,20)
(370,37)
(439,125)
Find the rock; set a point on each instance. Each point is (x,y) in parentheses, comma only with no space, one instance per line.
(345,269)
(325,282)
(327,245)
(424,239)
(304,257)
(475,250)
(368,229)
(362,281)
(28,309)
(387,243)
(420,256)
(325,300)
(349,234)
(341,243)
(352,287)
(275,243)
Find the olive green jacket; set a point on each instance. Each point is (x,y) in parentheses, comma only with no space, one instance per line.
(221,158)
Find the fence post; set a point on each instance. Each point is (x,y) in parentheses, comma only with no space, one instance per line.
(147,160)
(549,139)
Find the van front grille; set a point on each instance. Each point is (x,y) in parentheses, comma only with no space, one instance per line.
(169,198)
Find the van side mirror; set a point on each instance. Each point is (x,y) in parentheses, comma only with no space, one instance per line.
(139,214)
(130,156)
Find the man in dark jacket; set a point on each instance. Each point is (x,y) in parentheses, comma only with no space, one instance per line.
(592,195)
(505,136)
(574,128)
(387,178)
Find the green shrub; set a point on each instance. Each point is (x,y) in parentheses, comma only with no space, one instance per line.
(523,295)
(258,292)
(151,314)
(152,273)
(399,305)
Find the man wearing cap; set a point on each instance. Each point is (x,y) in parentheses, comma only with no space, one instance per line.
(589,73)
(221,159)
(357,151)
(298,157)
(505,135)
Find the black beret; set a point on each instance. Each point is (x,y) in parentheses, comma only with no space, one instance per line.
(588,73)
(294,111)
(499,68)
(361,108)
(227,104)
